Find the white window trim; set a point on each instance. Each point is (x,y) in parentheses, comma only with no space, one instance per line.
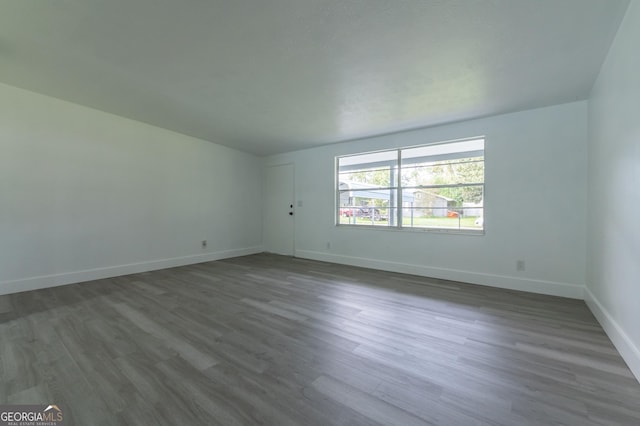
(399,188)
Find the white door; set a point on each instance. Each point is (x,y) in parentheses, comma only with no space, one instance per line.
(278,219)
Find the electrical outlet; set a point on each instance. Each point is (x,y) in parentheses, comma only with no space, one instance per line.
(520,265)
(204,243)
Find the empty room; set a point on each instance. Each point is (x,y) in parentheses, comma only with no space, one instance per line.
(320,212)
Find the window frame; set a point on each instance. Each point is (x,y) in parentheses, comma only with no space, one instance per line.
(399,189)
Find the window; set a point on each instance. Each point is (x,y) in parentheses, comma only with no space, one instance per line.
(437,187)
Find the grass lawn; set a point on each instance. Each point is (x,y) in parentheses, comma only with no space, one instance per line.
(419,222)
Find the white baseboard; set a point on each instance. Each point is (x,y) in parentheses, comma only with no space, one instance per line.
(629,351)
(34,283)
(573,291)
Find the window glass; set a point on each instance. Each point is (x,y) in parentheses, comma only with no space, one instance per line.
(438,186)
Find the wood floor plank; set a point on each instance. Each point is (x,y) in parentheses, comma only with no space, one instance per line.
(364,403)
(268,339)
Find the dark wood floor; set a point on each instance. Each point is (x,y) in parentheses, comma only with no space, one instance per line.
(268,339)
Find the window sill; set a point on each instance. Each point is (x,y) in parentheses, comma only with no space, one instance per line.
(480,232)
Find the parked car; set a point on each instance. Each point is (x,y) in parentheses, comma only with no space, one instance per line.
(363,212)
(346,212)
(368,212)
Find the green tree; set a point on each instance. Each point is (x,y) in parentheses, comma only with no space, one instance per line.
(466,170)
(377,177)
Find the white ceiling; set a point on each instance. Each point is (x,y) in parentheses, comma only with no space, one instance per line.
(269,76)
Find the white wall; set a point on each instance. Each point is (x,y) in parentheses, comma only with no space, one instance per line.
(85,194)
(535,206)
(613,276)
